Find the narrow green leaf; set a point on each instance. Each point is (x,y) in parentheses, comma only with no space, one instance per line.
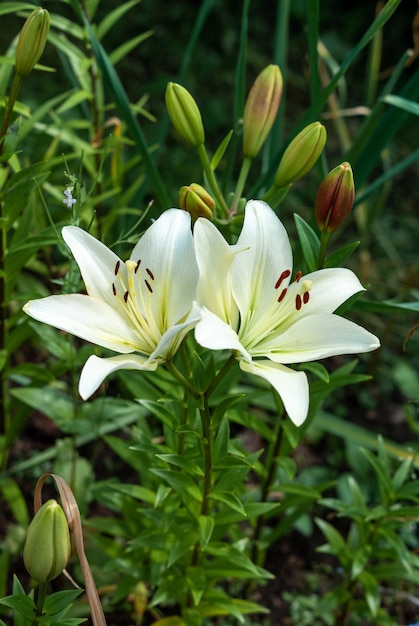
(162,411)
(362,437)
(113,17)
(138,492)
(205,528)
(183,485)
(339,256)
(74,100)
(317,369)
(12,494)
(57,602)
(196,579)
(402,103)
(55,404)
(13,7)
(229,499)
(387,306)
(21,604)
(336,541)
(303,491)
(310,243)
(219,153)
(121,52)
(183,462)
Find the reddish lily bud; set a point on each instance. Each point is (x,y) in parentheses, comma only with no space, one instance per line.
(301,154)
(197,201)
(184,114)
(261,109)
(335,198)
(47,547)
(32,40)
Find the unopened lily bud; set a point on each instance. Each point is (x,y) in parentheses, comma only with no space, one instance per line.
(261,109)
(197,201)
(47,547)
(301,154)
(184,114)
(335,198)
(32,40)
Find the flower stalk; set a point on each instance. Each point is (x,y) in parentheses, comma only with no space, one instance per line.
(202,153)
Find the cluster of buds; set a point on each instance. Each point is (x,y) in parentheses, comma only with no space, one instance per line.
(301,154)
(335,198)
(47,547)
(31,42)
(197,201)
(261,109)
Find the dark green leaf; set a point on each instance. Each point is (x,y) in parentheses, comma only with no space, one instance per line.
(310,243)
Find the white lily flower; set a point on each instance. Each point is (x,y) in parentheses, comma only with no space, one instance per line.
(251,307)
(142,308)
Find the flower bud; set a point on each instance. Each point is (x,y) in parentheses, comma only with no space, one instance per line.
(32,40)
(197,201)
(184,114)
(335,198)
(261,108)
(301,154)
(47,547)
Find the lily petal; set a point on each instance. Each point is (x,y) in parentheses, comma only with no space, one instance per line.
(215,257)
(211,332)
(97,369)
(292,386)
(256,271)
(173,337)
(329,288)
(317,337)
(166,251)
(96,262)
(87,318)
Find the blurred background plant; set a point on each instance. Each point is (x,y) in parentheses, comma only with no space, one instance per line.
(92,120)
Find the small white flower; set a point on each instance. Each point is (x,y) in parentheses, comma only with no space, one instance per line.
(69,200)
(251,307)
(142,308)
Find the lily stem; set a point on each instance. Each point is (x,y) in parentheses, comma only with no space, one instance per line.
(42,593)
(323,249)
(244,172)
(212,180)
(4,357)
(270,463)
(182,379)
(14,90)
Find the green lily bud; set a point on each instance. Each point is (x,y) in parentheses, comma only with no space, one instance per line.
(184,114)
(261,108)
(301,154)
(335,198)
(197,201)
(32,40)
(47,547)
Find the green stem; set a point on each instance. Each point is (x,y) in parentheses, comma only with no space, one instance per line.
(42,594)
(4,412)
(206,431)
(212,180)
(220,376)
(244,171)
(270,464)
(275,195)
(323,249)
(182,379)
(14,90)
